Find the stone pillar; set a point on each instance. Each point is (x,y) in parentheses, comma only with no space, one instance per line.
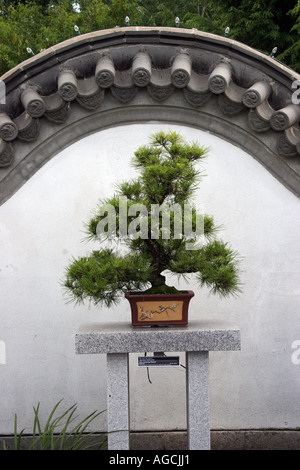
(118,420)
(198,406)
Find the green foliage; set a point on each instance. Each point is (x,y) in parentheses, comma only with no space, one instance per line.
(119,9)
(19,28)
(101,276)
(57,25)
(261,24)
(292,54)
(40,24)
(169,177)
(167,168)
(205,15)
(94,16)
(59,433)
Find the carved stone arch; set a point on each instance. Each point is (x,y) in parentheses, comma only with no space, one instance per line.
(138,74)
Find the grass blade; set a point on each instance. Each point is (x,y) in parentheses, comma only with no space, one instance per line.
(48,439)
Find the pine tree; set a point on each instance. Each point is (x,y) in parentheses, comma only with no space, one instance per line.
(169,177)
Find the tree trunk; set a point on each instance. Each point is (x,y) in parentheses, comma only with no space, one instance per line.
(158,280)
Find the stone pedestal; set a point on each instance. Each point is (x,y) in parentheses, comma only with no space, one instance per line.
(117,340)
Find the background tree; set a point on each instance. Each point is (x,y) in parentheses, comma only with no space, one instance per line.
(19,28)
(39,24)
(291,55)
(261,24)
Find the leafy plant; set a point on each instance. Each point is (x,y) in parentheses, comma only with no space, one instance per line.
(168,179)
(57,433)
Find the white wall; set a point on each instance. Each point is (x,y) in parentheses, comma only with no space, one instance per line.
(41,228)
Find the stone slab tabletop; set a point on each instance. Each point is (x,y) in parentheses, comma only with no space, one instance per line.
(201,335)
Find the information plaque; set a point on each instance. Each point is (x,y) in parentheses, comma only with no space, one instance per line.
(158,361)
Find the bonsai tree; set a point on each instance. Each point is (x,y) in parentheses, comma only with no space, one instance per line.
(145,215)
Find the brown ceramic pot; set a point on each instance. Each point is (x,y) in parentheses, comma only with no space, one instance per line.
(156,310)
